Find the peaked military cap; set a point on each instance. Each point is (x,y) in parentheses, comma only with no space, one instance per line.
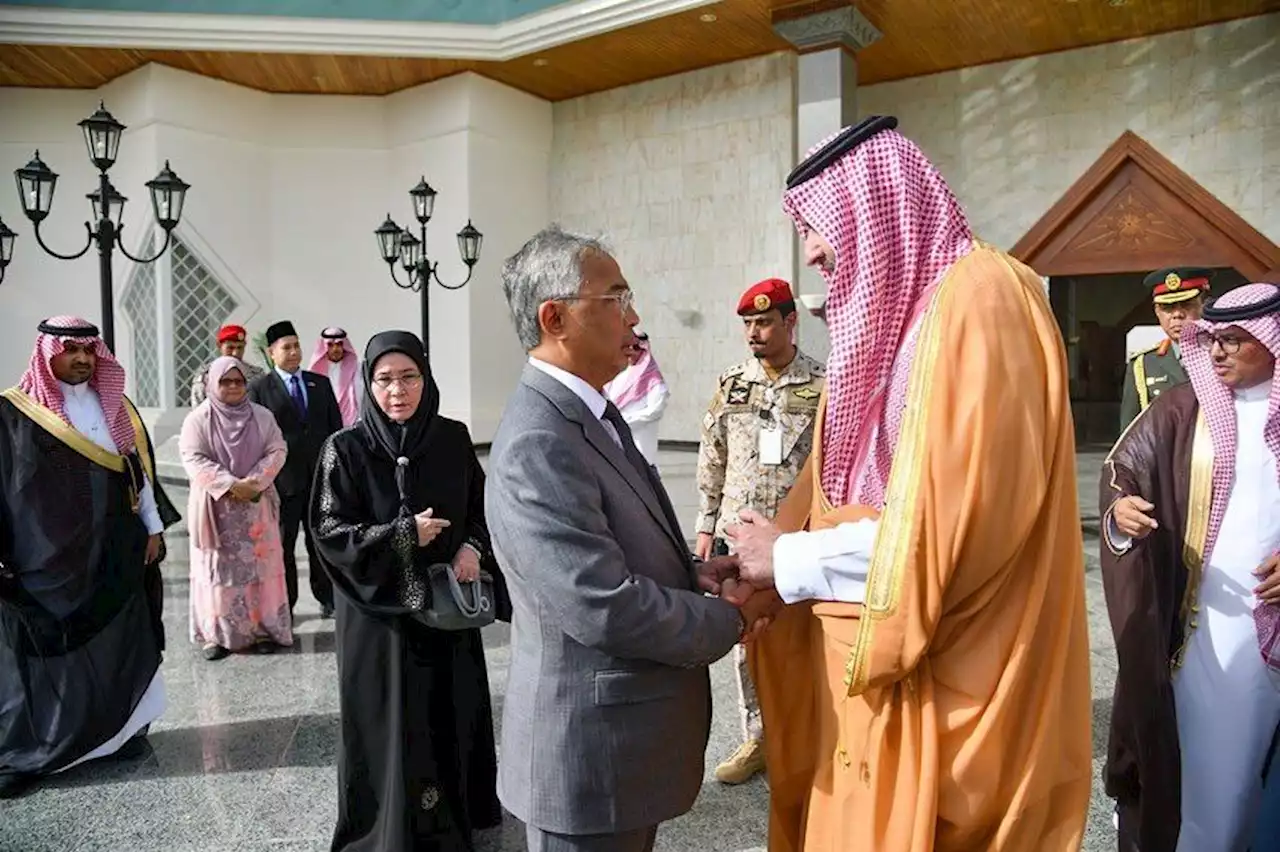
(1178,283)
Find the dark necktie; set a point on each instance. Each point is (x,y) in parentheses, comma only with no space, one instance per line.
(299,401)
(614,416)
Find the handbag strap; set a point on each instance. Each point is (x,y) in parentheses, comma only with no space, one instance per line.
(476,606)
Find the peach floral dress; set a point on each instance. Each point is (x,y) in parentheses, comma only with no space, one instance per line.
(238,592)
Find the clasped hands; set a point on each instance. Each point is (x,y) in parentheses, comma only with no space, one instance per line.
(745,579)
(245,490)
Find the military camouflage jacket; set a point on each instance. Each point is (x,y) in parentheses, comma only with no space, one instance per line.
(730,475)
(1151,372)
(252,371)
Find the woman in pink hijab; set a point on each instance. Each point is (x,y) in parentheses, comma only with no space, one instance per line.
(232,450)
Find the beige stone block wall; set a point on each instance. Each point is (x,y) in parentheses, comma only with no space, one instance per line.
(1011,138)
(684,177)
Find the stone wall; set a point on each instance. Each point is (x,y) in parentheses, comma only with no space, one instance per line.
(1012,137)
(684,176)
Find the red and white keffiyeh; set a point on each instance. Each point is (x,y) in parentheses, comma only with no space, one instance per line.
(345,389)
(1218,404)
(896,228)
(39,382)
(634,383)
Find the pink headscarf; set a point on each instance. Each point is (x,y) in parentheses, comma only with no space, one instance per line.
(234,437)
(634,383)
(345,391)
(896,228)
(1218,404)
(39,382)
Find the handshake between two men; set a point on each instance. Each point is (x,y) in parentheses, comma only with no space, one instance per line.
(745,577)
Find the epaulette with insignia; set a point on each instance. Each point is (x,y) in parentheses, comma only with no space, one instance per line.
(732,372)
(1142,352)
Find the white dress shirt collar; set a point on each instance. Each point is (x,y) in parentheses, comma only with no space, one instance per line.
(590,396)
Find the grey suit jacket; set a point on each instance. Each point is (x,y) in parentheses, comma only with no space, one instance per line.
(608,702)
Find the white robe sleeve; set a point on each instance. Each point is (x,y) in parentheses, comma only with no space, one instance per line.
(148,511)
(825,565)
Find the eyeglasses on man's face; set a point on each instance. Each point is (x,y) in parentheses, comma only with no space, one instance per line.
(626,299)
(406,381)
(1230,343)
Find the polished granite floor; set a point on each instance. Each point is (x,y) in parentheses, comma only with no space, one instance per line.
(243,758)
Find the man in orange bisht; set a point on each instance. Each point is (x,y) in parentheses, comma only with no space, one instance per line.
(928,682)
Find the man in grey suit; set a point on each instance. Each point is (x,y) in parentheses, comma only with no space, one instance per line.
(608,702)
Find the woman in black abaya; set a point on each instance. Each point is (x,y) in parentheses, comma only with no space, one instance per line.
(416,769)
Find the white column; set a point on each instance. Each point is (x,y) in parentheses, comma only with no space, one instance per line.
(826,89)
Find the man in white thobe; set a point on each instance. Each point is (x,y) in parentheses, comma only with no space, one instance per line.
(1191,515)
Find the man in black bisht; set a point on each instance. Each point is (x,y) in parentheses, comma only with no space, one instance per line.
(82,517)
(399,491)
(307,412)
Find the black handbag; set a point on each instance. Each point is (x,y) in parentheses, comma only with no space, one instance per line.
(458,606)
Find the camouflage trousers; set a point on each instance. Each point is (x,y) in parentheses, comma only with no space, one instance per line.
(748,704)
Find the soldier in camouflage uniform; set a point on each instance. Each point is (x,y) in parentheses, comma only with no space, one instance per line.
(1178,294)
(756,437)
(231,341)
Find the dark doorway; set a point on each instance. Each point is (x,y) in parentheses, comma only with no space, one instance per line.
(1095,314)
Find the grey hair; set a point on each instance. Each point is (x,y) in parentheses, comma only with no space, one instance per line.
(547,267)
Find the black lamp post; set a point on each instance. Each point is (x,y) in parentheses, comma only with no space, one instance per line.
(6,247)
(396,243)
(36,183)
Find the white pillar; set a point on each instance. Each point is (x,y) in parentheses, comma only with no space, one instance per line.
(826,89)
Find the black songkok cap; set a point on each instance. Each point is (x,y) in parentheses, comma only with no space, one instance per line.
(1178,283)
(1238,313)
(844,142)
(277,330)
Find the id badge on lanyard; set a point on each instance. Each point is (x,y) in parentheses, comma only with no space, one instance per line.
(770,446)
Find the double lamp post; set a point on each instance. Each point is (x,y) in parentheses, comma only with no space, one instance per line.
(399,244)
(36,183)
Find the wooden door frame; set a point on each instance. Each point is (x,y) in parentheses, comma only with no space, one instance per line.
(1047,246)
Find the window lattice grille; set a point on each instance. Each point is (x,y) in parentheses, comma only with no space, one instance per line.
(140,307)
(200,305)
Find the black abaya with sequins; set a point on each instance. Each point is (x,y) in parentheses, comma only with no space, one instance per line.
(417,766)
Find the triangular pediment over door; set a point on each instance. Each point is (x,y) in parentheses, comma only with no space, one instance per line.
(1134,210)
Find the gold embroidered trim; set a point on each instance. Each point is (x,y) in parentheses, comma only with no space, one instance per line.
(140,439)
(1140,381)
(893,538)
(1112,483)
(1199,503)
(63,431)
(67,434)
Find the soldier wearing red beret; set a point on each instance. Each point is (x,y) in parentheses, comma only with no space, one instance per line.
(756,436)
(232,340)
